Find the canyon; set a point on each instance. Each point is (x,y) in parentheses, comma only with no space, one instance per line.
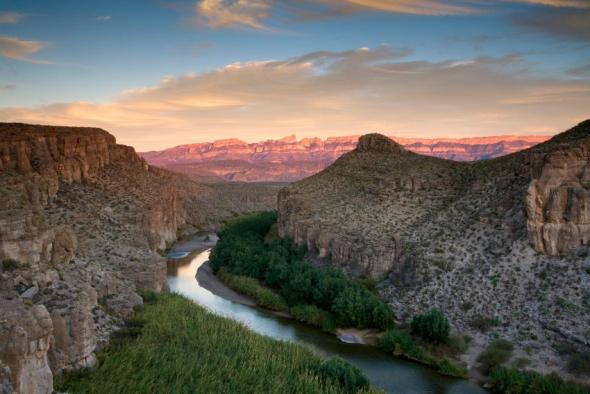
(84,222)
(502,241)
(289,159)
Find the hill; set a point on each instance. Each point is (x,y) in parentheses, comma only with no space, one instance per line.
(499,243)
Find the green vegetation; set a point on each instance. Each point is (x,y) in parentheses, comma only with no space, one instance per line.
(314,316)
(400,343)
(252,288)
(432,326)
(278,265)
(496,354)
(512,381)
(175,346)
(9,264)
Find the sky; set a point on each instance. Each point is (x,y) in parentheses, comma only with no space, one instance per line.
(159,73)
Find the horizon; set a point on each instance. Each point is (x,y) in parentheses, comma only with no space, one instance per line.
(158,74)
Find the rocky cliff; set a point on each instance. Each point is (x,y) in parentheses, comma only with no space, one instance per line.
(289,159)
(81,222)
(503,239)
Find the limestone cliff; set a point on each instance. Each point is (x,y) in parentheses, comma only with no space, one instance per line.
(505,238)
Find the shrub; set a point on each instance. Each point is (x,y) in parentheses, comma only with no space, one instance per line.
(309,314)
(446,367)
(510,380)
(252,288)
(432,326)
(9,264)
(349,378)
(496,354)
(399,342)
(484,323)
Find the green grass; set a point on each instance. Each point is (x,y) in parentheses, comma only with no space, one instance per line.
(251,287)
(175,346)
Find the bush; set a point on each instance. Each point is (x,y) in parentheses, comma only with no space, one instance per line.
(399,342)
(349,378)
(496,354)
(446,367)
(510,380)
(309,314)
(432,326)
(484,323)
(252,288)
(9,264)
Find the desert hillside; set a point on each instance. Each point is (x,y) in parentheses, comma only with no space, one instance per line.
(83,223)
(499,245)
(289,159)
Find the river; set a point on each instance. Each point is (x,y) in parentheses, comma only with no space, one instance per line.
(391,374)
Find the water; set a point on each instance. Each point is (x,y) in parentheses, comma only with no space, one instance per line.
(386,372)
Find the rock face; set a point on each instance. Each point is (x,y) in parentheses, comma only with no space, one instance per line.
(25,339)
(558,199)
(289,160)
(82,220)
(504,238)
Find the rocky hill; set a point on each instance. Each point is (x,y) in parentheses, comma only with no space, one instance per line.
(289,159)
(81,222)
(501,246)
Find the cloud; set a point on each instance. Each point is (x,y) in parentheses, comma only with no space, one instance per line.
(16,48)
(332,93)
(233,13)
(559,3)
(567,23)
(7,87)
(10,18)
(418,7)
(103,18)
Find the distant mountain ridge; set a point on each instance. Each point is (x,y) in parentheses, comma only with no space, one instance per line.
(289,159)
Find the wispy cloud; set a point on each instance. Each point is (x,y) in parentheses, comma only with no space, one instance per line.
(10,18)
(7,87)
(559,3)
(234,13)
(103,18)
(332,93)
(19,49)
(418,7)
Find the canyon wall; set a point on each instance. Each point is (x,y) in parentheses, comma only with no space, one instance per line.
(558,198)
(65,280)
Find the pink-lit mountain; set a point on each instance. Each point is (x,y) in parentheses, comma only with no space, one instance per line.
(289,159)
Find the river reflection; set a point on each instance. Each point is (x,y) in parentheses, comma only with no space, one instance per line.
(386,372)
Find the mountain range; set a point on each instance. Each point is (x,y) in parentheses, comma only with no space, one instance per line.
(289,159)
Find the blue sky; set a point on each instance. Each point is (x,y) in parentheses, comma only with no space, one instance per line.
(75,62)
